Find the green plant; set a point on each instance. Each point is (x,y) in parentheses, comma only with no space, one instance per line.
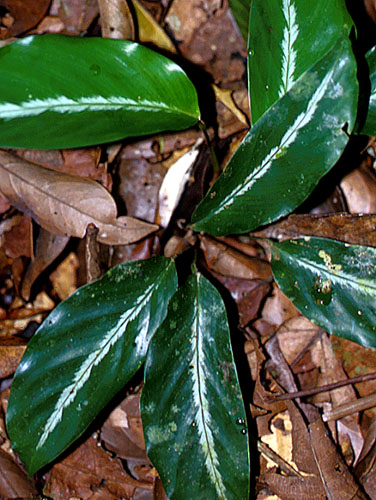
(304,100)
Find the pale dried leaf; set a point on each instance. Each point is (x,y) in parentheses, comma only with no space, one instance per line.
(150,31)
(116,19)
(66,204)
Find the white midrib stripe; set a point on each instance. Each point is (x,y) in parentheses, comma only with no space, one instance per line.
(202,417)
(338,277)
(82,375)
(288,138)
(290,35)
(65,104)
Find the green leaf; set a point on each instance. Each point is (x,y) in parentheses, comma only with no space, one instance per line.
(332,283)
(83,354)
(369,127)
(191,405)
(286,153)
(61,92)
(240,10)
(286,38)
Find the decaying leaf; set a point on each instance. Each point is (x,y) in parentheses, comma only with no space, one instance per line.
(149,30)
(90,473)
(116,19)
(14,482)
(355,229)
(65,204)
(230,262)
(18,16)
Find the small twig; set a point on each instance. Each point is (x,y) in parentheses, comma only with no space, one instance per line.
(324,388)
(349,408)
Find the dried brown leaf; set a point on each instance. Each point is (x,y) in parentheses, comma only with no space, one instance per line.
(355,229)
(14,482)
(66,204)
(116,19)
(338,481)
(76,15)
(359,188)
(122,432)
(150,31)
(20,16)
(229,262)
(18,241)
(90,473)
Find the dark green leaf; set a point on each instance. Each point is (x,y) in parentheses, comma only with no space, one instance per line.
(332,283)
(191,405)
(369,127)
(286,153)
(286,38)
(83,354)
(240,10)
(62,92)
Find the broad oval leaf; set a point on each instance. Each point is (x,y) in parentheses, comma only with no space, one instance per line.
(330,282)
(369,126)
(83,354)
(65,204)
(191,405)
(286,153)
(286,38)
(60,92)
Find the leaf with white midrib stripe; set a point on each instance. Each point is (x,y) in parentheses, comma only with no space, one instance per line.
(286,38)
(92,91)
(83,354)
(330,282)
(283,157)
(194,421)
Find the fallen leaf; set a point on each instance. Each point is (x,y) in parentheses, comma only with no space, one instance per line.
(14,482)
(355,229)
(20,16)
(116,19)
(66,204)
(229,262)
(122,432)
(150,31)
(18,241)
(91,473)
(338,481)
(359,188)
(48,247)
(76,15)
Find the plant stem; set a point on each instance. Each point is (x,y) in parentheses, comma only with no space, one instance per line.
(213,156)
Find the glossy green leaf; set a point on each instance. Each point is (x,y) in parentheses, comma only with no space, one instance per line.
(286,38)
(332,283)
(369,127)
(240,10)
(286,153)
(191,405)
(83,354)
(61,92)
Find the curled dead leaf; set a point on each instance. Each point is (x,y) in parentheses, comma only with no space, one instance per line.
(66,204)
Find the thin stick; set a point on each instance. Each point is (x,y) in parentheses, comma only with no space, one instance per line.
(324,388)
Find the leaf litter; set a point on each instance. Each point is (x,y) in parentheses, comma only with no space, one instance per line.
(299,456)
